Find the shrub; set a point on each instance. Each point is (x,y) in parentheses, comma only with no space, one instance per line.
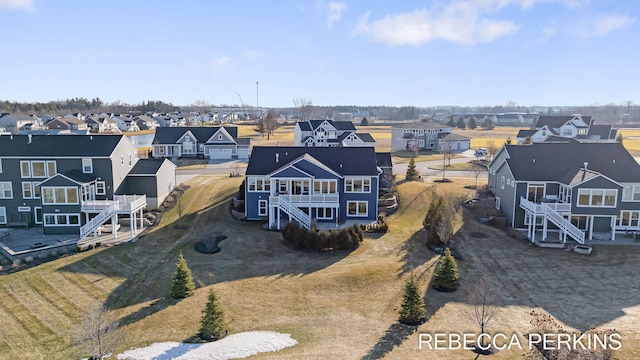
(28,259)
(412,311)
(16,263)
(213,325)
(297,237)
(182,284)
(446,277)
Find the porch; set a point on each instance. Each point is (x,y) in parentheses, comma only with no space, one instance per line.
(132,205)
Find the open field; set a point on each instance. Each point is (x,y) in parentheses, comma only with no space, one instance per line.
(631,140)
(336,305)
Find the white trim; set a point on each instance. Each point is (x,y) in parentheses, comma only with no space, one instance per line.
(604,196)
(37,220)
(497,203)
(327,213)
(54,195)
(263,207)
(357,208)
(87,165)
(363,185)
(3,215)
(57,216)
(6,186)
(101,188)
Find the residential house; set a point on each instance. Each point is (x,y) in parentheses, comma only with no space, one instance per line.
(454,143)
(67,124)
(421,135)
(333,186)
(329,133)
(102,124)
(567,126)
(213,142)
(16,123)
(581,190)
(72,184)
(145,122)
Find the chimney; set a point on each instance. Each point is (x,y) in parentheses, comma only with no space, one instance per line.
(277,157)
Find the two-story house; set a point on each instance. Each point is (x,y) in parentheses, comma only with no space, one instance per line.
(581,190)
(67,124)
(72,184)
(329,133)
(332,185)
(213,142)
(423,135)
(16,123)
(567,126)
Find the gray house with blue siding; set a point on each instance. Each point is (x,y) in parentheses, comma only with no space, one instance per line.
(581,190)
(330,185)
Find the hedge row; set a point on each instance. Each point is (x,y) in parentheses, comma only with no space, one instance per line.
(300,238)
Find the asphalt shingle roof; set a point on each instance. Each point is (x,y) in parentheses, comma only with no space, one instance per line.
(344,161)
(147,166)
(58,145)
(170,135)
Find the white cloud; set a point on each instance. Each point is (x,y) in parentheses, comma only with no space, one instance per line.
(252,54)
(610,23)
(459,21)
(26,5)
(335,10)
(217,65)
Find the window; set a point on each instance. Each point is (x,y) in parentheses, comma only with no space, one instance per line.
(259,184)
(629,218)
(87,166)
(121,160)
(300,187)
(535,192)
(37,169)
(502,183)
(62,219)
(631,193)
(357,185)
(25,169)
(325,186)
(508,181)
(497,203)
(597,197)
(357,208)
(324,213)
(567,132)
(539,220)
(37,215)
(580,222)
(60,195)
(263,208)
(100,188)
(3,215)
(27,190)
(6,191)
(219,136)
(130,159)
(0,166)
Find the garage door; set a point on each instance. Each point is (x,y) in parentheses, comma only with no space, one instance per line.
(220,154)
(243,153)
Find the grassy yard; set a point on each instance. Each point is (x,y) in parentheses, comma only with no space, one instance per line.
(336,305)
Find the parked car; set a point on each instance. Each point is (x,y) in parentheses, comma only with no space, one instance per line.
(481,152)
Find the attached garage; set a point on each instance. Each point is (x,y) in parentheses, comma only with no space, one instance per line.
(220,154)
(243,153)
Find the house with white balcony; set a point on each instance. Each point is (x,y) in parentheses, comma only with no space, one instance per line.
(567,189)
(329,133)
(329,185)
(74,184)
(423,135)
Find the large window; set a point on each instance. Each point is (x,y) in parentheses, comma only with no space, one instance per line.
(37,169)
(62,219)
(3,215)
(580,222)
(259,184)
(263,208)
(597,197)
(631,193)
(357,208)
(357,185)
(60,195)
(6,191)
(325,186)
(629,218)
(300,187)
(565,193)
(324,213)
(535,192)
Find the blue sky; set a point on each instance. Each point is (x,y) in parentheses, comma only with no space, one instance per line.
(421,53)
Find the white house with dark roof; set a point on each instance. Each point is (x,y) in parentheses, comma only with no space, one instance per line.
(567,126)
(580,190)
(329,133)
(425,135)
(212,142)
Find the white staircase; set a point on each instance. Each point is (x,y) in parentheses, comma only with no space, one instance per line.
(97,220)
(294,212)
(550,211)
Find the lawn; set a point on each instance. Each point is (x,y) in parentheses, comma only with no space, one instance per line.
(336,305)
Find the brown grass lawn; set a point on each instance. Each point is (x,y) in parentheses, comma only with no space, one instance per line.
(336,305)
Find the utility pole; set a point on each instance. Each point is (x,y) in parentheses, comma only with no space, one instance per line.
(257,98)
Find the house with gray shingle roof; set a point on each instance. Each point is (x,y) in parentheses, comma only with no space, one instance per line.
(72,184)
(421,135)
(208,142)
(567,126)
(567,188)
(329,133)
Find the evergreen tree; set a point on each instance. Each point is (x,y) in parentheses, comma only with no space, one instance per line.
(508,141)
(619,138)
(412,311)
(182,284)
(472,122)
(450,121)
(412,173)
(446,277)
(213,325)
(364,122)
(460,124)
(488,124)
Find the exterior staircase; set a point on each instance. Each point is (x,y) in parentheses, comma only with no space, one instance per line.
(551,212)
(293,211)
(97,221)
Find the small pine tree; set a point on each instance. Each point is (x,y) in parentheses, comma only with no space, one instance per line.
(460,124)
(412,311)
(451,121)
(412,173)
(472,122)
(182,284)
(619,139)
(213,325)
(446,277)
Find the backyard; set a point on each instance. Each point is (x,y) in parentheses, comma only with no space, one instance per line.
(336,305)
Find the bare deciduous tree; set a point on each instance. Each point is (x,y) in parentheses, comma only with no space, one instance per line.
(477,171)
(446,149)
(99,332)
(305,108)
(492,149)
(270,122)
(484,304)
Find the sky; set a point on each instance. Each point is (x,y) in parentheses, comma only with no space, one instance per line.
(376,52)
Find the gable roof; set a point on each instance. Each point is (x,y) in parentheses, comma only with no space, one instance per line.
(556,121)
(366,137)
(59,145)
(523,133)
(540,161)
(422,125)
(343,161)
(147,166)
(171,135)
(383,159)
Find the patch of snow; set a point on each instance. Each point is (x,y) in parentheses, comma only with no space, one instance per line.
(234,346)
